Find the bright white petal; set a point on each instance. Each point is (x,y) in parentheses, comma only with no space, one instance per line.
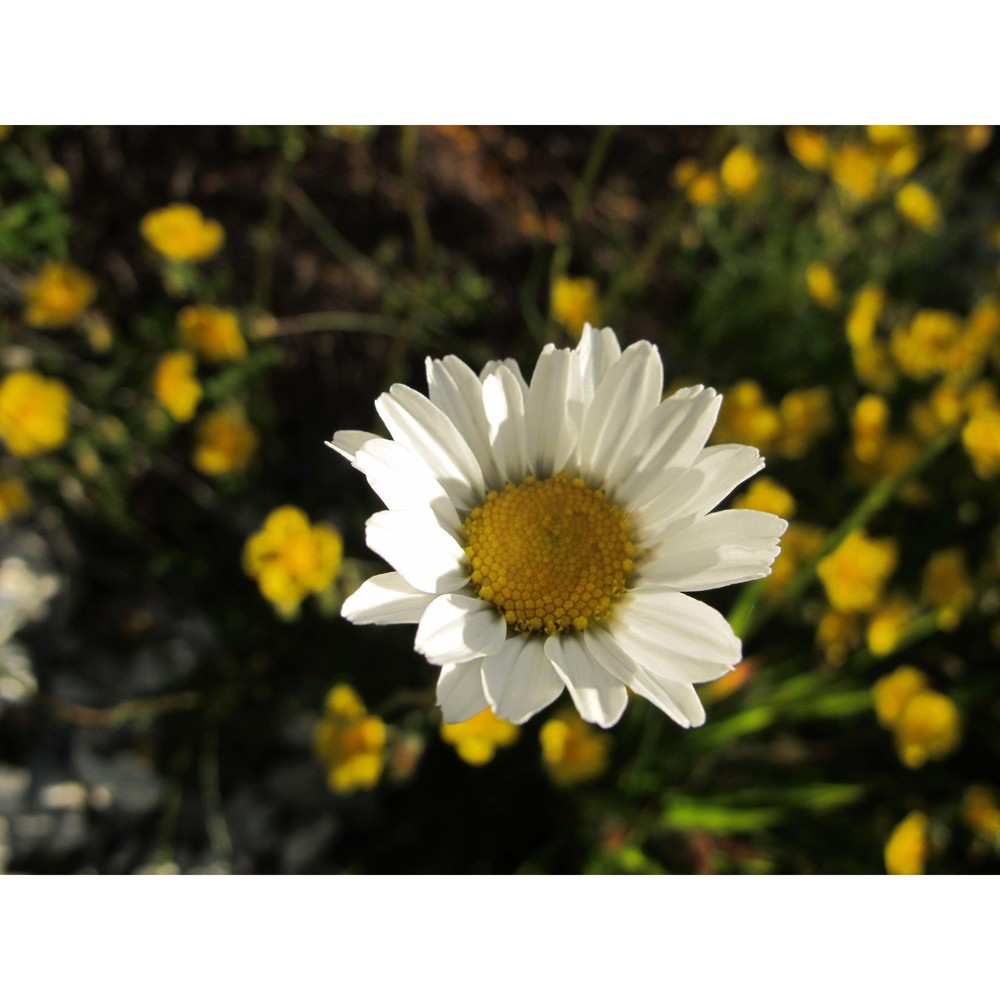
(415,546)
(503,399)
(458,627)
(730,546)
(491,367)
(679,701)
(347,443)
(414,421)
(597,351)
(599,697)
(460,691)
(519,680)
(551,435)
(386,599)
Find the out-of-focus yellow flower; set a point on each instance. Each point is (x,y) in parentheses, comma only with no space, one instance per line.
(175,386)
(822,285)
(34,413)
(5,131)
(806,415)
(740,172)
(348,742)
(868,427)
(766,495)
(947,586)
(729,684)
(943,408)
(799,543)
(906,848)
(291,558)
(837,633)
(928,728)
(887,625)
(476,740)
(685,172)
(574,302)
(919,207)
(892,693)
(181,232)
(854,168)
(14,498)
(224,443)
(704,189)
(890,135)
(808,146)
(747,418)
(855,573)
(874,367)
(971,348)
(213,334)
(981,438)
(896,148)
(865,311)
(927,345)
(975,138)
(897,453)
(572,750)
(57,295)
(982,811)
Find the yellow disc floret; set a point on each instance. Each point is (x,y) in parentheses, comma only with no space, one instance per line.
(551,554)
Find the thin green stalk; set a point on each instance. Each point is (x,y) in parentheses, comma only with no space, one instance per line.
(635,276)
(422,240)
(267,237)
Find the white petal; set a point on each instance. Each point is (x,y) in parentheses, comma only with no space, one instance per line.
(413,420)
(414,545)
(459,627)
(629,391)
(460,691)
(673,636)
(503,399)
(455,389)
(519,680)
(730,546)
(404,482)
(597,351)
(551,434)
(347,443)
(680,701)
(599,697)
(386,599)
(491,367)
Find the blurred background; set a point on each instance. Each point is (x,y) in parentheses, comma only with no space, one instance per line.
(187,314)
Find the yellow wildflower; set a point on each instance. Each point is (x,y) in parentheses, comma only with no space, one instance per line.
(704,189)
(928,728)
(58,295)
(855,573)
(943,408)
(837,634)
(927,345)
(766,495)
(979,333)
(747,418)
(982,812)
(822,285)
(225,443)
(14,499)
(890,135)
(865,311)
(348,742)
(572,750)
(175,387)
(291,558)
(806,415)
(896,148)
(873,367)
(976,138)
(799,543)
(213,334)
(855,169)
(476,740)
(981,438)
(892,693)
(574,302)
(34,413)
(906,848)
(919,207)
(685,172)
(808,146)
(181,232)
(868,427)
(947,585)
(887,624)
(740,172)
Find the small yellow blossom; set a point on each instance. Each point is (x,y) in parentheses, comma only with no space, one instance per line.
(855,573)
(928,728)
(945,407)
(213,334)
(896,148)
(476,740)
(685,172)
(837,634)
(572,750)
(868,427)
(14,498)
(927,345)
(58,295)
(906,848)
(919,207)
(175,386)
(34,413)
(766,495)
(982,811)
(855,169)
(887,625)
(181,232)
(348,742)
(740,172)
(822,285)
(799,543)
(806,415)
(981,438)
(808,146)
(704,189)
(971,348)
(890,135)
(864,315)
(874,368)
(574,302)
(747,418)
(224,443)
(291,558)
(947,586)
(975,138)
(892,693)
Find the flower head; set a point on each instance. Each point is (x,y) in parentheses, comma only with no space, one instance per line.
(213,334)
(574,303)
(928,728)
(348,742)
(14,498)
(175,386)
(58,295)
(476,740)
(822,285)
(291,558)
(181,232)
(740,172)
(34,413)
(572,751)
(856,571)
(225,443)
(542,535)
(808,146)
(906,848)
(919,207)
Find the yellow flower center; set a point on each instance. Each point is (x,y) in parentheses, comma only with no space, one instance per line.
(550,554)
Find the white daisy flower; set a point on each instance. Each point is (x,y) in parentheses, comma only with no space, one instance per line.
(543,536)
